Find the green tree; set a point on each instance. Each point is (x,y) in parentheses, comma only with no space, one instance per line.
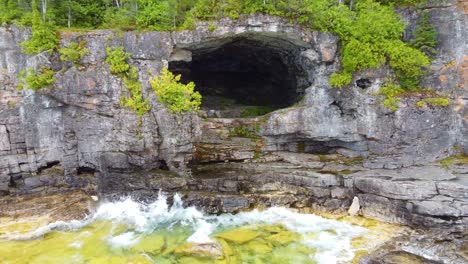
(425,36)
(403,2)
(81,13)
(155,15)
(9,11)
(43,35)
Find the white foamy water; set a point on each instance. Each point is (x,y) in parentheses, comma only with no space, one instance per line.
(333,242)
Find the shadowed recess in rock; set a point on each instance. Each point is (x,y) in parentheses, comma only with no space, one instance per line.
(247,70)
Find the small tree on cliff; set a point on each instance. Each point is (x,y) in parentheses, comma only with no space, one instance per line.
(425,36)
(176,96)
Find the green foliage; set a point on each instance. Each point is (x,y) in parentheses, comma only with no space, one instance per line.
(242,131)
(176,96)
(251,111)
(117,60)
(43,35)
(370,35)
(391,91)
(165,15)
(434,101)
(370,30)
(9,11)
(408,64)
(120,18)
(212,27)
(360,55)
(425,36)
(340,79)
(403,2)
(391,103)
(43,38)
(74,52)
(155,15)
(136,102)
(30,79)
(454,160)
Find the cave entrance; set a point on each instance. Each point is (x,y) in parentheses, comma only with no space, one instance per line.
(242,76)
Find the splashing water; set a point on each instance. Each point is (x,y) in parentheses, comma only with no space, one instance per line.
(132,232)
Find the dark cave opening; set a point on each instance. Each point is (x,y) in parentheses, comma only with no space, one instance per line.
(244,74)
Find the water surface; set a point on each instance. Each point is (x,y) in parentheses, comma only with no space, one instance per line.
(132,232)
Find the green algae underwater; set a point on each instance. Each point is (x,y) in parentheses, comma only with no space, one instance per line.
(127,232)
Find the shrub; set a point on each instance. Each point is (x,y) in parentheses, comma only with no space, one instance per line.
(425,36)
(117,60)
(371,36)
(403,2)
(119,18)
(9,11)
(176,96)
(434,101)
(156,15)
(74,52)
(340,79)
(30,79)
(408,64)
(391,103)
(212,27)
(135,102)
(391,91)
(43,38)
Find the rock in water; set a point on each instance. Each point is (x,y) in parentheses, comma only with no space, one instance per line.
(354,208)
(239,235)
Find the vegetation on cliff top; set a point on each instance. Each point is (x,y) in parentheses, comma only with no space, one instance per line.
(370,30)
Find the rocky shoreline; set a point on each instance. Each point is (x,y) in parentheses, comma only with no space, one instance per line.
(317,154)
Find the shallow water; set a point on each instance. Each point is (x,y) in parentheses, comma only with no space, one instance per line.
(131,232)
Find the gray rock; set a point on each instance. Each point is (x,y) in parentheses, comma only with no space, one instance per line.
(422,173)
(401,190)
(4,140)
(453,189)
(393,211)
(434,208)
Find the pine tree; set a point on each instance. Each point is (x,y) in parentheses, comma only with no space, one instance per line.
(425,36)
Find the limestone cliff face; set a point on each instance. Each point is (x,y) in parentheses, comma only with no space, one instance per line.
(78,130)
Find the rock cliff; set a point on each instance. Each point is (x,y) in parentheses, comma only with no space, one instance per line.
(321,149)
(76,134)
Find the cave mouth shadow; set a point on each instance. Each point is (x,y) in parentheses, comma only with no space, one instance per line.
(246,75)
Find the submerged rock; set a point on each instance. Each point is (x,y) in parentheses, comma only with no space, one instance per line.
(210,250)
(283,238)
(238,236)
(121,260)
(151,244)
